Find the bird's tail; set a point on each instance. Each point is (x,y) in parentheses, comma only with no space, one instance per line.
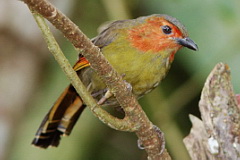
(60,120)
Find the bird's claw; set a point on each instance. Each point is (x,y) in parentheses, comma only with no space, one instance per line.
(107,95)
(129,86)
(161,136)
(140,145)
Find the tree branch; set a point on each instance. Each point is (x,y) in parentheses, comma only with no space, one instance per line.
(217,136)
(147,133)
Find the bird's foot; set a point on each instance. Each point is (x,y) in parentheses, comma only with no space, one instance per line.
(129,86)
(107,95)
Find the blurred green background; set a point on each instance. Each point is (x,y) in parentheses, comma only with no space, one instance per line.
(31,80)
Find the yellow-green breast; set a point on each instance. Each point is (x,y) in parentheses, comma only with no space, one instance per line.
(143,70)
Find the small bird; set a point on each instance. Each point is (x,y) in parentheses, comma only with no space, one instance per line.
(141,50)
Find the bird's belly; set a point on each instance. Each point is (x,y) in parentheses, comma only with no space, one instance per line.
(143,71)
(142,88)
(142,81)
(146,80)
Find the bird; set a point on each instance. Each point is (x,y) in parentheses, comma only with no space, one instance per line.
(141,50)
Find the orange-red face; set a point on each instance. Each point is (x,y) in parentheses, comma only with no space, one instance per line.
(157,34)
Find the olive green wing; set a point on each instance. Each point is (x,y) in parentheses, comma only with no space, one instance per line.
(108,32)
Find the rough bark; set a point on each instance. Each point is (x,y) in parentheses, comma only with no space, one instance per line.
(217,136)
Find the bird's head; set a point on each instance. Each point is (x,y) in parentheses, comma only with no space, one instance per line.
(159,33)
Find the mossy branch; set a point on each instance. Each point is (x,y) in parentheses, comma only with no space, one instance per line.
(135,120)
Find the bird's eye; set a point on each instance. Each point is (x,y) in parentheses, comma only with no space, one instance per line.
(166,29)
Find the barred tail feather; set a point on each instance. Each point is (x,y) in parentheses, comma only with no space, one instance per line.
(60,120)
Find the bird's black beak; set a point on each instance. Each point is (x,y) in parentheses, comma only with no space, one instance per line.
(187,42)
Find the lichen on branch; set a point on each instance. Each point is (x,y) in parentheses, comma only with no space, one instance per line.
(217,136)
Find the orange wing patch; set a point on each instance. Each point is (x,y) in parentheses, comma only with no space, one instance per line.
(81,63)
